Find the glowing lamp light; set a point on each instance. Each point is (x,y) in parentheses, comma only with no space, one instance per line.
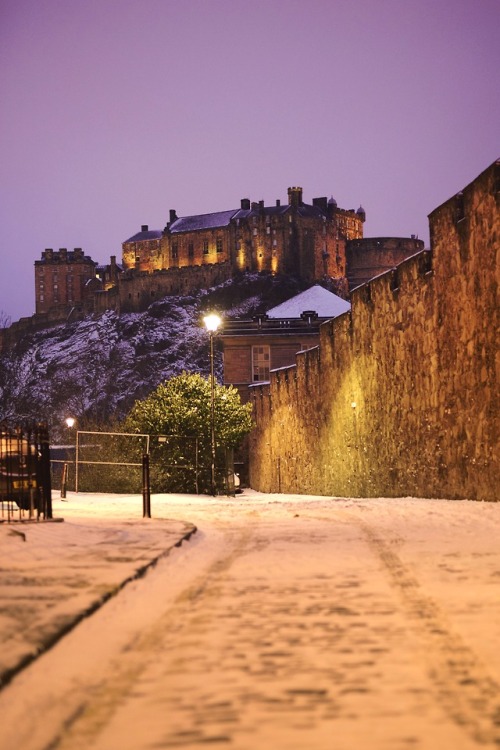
(70,422)
(212,322)
(353,404)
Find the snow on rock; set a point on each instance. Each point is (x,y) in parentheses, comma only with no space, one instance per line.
(94,369)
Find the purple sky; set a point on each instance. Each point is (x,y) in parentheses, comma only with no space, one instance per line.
(114,111)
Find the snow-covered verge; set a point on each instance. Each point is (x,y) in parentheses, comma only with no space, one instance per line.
(54,573)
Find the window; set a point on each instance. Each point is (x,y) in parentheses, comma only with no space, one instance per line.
(190,250)
(175,251)
(219,245)
(205,247)
(260,363)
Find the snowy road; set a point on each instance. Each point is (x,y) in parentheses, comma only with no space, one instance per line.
(286,622)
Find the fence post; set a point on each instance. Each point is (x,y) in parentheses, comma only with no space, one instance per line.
(64,480)
(46,483)
(146,487)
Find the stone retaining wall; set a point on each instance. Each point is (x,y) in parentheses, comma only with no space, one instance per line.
(401,395)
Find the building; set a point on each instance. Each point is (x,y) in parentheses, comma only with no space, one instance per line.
(312,242)
(307,240)
(369,257)
(64,279)
(253,348)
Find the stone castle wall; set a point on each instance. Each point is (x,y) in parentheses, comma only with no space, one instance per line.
(400,398)
(369,257)
(138,291)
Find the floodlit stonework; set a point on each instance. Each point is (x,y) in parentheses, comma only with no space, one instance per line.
(401,395)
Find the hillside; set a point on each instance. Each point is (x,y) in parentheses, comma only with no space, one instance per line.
(95,369)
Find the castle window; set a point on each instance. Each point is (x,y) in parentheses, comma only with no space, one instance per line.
(190,250)
(175,251)
(219,245)
(261,357)
(205,247)
(268,229)
(255,232)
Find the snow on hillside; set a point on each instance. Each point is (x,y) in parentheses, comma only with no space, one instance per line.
(94,369)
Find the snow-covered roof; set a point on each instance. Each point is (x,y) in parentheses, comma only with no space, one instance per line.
(150,234)
(317,299)
(202,221)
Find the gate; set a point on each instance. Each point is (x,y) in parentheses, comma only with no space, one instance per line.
(25,486)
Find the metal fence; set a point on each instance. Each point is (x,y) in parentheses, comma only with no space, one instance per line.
(112,462)
(25,482)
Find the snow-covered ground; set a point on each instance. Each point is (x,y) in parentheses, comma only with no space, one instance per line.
(284,622)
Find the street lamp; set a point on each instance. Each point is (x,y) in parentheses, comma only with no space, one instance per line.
(212,323)
(70,422)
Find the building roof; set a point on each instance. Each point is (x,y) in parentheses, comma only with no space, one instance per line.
(202,221)
(316,299)
(150,234)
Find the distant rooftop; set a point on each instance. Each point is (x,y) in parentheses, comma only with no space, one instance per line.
(146,234)
(202,221)
(316,299)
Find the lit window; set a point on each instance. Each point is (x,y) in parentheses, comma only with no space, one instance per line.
(260,363)
(205,247)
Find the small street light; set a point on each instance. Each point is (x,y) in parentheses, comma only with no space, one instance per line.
(70,422)
(212,323)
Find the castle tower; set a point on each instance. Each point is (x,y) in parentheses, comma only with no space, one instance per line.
(295,196)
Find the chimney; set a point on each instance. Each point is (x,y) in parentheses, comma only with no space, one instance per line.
(321,203)
(245,204)
(173,216)
(144,227)
(295,196)
(278,202)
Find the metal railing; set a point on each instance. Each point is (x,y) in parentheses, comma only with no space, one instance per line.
(25,483)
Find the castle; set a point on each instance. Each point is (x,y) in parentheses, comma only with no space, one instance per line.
(314,242)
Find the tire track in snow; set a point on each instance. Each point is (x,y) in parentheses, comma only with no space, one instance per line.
(468,693)
(82,729)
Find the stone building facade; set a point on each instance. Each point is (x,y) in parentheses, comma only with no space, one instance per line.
(63,279)
(307,240)
(401,396)
(252,348)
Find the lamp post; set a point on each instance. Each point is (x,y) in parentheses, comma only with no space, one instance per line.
(212,323)
(70,422)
